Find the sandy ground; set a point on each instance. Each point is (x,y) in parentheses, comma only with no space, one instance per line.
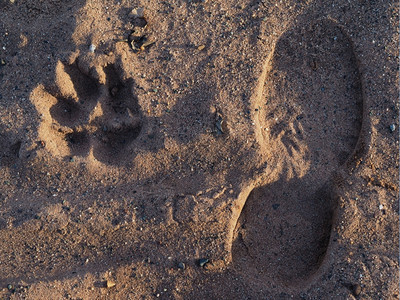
(199,149)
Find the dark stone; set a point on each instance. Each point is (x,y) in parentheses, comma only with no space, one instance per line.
(356,289)
(203,262)
(181,266)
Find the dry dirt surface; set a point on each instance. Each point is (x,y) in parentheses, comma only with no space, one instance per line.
(195,149)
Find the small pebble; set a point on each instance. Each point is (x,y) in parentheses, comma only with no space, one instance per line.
(275,206)
(110,283)
(181,266)
(392,127)
(92,48)
(10,287)
(137,12)
(203,262)
(201,47)
(356,289)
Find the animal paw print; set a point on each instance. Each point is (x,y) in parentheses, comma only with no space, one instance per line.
(82,117)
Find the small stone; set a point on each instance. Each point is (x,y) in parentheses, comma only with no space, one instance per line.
(71,159)
(2,62)
(356,289)
(203,262)
(392,127)
(275,206)
(137,12)
(10,287)
(92,48)
(201,47)
(181,266)
(110,284)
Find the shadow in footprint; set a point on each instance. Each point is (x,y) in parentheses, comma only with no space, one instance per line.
(121,122)
(314,105)
(66,111)
(284,229)
(78,142)
(85,86)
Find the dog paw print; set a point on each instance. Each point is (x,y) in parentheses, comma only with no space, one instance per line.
(83,117)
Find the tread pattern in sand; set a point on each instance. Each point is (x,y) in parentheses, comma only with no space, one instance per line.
(313,102)
(82,117)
